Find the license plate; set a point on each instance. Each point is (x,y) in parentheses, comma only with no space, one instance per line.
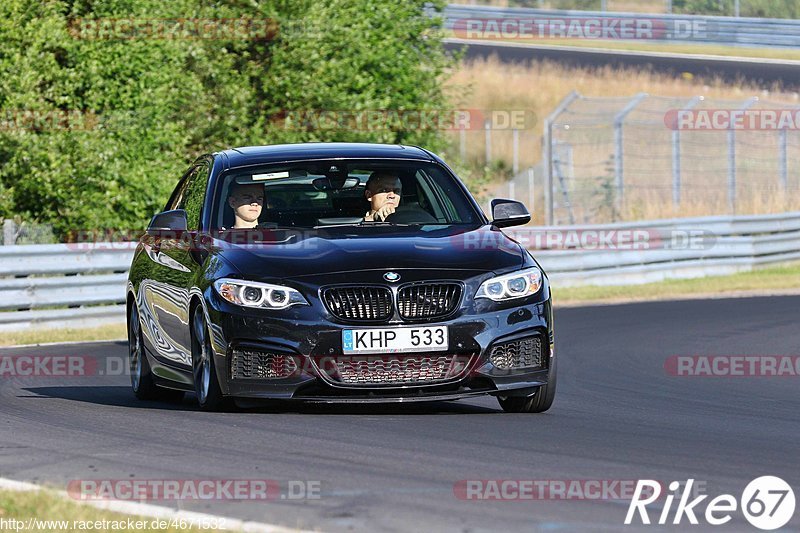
(395,340)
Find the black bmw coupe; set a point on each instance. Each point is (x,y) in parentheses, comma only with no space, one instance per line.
(336,272)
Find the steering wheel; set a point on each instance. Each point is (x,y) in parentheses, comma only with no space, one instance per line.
(411,215)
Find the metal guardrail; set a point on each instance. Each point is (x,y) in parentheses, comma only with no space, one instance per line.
(731,244)
(734,31)
(62,285)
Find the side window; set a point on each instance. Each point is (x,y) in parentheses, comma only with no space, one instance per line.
(177,195)
(195,195)
(445,197)
(428,198)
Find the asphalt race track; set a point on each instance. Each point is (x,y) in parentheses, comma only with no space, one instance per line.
(732,69)
(617,416)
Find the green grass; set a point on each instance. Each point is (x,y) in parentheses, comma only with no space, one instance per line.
(768,280)
(46,505)
(102,333)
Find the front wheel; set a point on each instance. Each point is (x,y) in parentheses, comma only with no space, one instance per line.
(206,385)
(540,402)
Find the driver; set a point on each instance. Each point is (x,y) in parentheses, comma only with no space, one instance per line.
(383,193)
(246,200)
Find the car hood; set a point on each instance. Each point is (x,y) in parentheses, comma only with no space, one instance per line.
(287,254)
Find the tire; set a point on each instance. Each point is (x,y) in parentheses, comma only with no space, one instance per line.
(204,371)
(540,402)
(142,380)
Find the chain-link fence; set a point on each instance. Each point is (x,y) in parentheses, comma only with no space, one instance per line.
(651,157)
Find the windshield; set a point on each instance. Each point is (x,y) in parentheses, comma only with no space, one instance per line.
(312,194)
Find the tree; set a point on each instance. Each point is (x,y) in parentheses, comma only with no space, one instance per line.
(95,130)
(354,58)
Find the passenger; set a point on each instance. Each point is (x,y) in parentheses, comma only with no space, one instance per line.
(246,200)
(383,192)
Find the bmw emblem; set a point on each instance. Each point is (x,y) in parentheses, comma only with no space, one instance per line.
(391,277)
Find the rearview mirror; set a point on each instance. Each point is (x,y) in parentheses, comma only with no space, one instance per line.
(509,213)
(328,183)
(174,220)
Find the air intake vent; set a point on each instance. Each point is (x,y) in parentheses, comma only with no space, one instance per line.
(393,369)
(521,353)
(255,364)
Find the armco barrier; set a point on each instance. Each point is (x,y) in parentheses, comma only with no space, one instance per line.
(49,286)
(60,285)
(735,31)
(737,243)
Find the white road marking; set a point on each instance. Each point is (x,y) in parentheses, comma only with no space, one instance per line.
(154,511)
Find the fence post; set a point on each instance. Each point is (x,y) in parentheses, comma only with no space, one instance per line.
(531,196)
(562,183)
(515,158)
(783,166)
(732,159)
(619,119)
(547,154)
(676,155)
(512,189)
(9,232)
(487,126)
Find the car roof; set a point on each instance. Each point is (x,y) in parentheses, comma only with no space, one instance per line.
(254,155)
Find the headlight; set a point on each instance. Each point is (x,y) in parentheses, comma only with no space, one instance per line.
(255,294)
(509,286)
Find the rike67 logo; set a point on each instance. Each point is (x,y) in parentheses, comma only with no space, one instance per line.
(767,502)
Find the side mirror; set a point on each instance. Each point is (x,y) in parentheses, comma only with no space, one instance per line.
(509,213)
(175,220)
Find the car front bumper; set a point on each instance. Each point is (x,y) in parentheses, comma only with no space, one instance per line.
(312,341)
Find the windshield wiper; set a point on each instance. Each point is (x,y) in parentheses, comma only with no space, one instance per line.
(381,223)
(363,223)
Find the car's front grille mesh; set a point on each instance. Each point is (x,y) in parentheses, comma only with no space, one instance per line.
(428,300)
(394,369)
(368,303)
(359,303)
(255,364)
(522,353)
